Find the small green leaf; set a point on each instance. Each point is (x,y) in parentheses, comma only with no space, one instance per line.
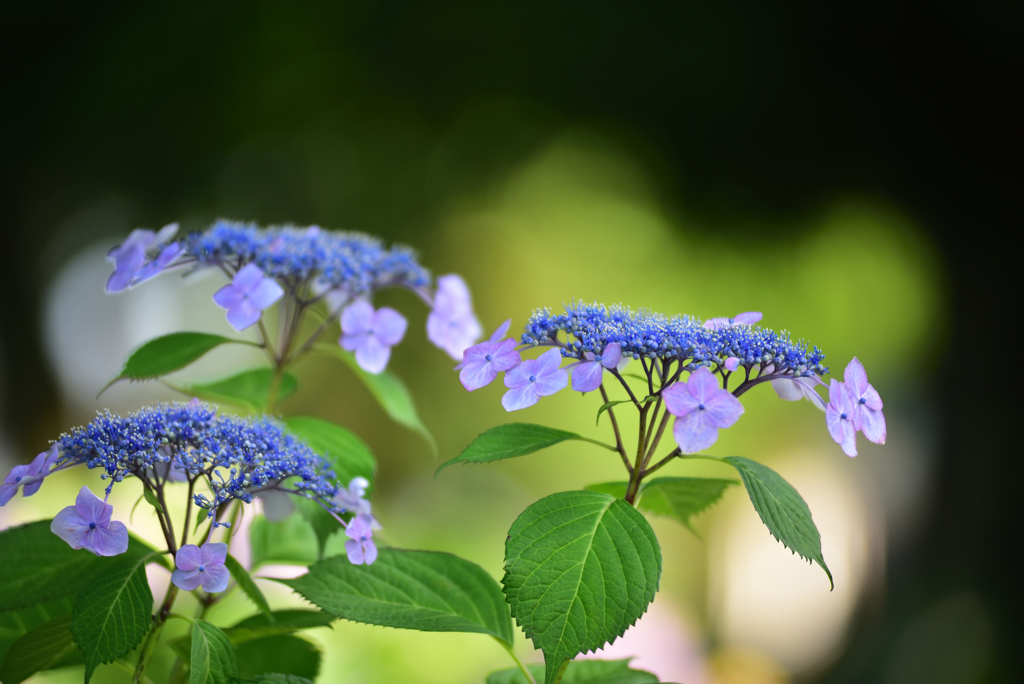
(425,590)
(782,510)
(580,672)
(15,624)
(248,389)
(610,404)
(112,614)
(291,542)
(508,441)
(39,566)
(681,497)
(281,653)
(212,658)
(167,354)
(580,568)
(151,499)
(46,647)
(247,585)
(282,622)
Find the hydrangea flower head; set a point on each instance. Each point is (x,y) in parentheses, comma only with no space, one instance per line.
(701,408)
(247,295)
(28,477)
(360,547)
(533,379)
(867,404)
(201,566)
(839,416)
(351,500)
(371,334)
(481,363)
(87,525)
(452,325)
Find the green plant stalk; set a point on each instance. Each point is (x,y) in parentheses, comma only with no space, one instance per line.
(519,663)
(560,673)
(154,634)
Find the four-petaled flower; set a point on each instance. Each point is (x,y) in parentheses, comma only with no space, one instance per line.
(371,334)
(867,404)
(360,547)
(701,407)
(247,295)
(748,318)
(87,525)
(351,499)
(482,362)
(201,566)
(533,379)
(452,325)
(839,416)
(28,476)
(588,375)
(797,388)
(130,255)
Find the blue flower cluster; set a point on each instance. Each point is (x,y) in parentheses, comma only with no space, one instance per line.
(237,456)
(355,262)
(593,327)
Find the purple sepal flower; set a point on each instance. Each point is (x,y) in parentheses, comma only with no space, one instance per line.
(201,567)
(795,389)
(247,295)
(162,261)
(87,525)
(452,325)
(360,547)
(701,407)
(533,379)
(30,476)
(839,416)
(732,363)
(371,334)
(867,404)
(481,363)
(351,499)
(588,375)
(748,318)
(130,255)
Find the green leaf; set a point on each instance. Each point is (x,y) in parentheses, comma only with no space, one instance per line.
(616,489)
(291,542)
(508,441)
(610,404)
(212,658)
(44,648)
(580,568)
(425,590)
(781,509)
(247,585)
(282,622)
(112,614)
(151,499)
(278,678)
(681,497)
(282,653)
(167,354)
(580,672)
(348,455)
(15,624)
(248,389)
(392,395)
(39,566)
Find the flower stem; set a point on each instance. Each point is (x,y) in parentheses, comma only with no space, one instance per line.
(519,663)
(560,673)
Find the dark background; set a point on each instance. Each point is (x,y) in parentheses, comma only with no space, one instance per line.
(750,112)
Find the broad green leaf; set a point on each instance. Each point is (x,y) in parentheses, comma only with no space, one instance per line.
(425,590)
(508,441)
(291,542)
(278,678)
(348,455)
(248,389)
(44,648)
(112,614)
(580,672)
(167,354)
(610,404)
(782,510)
(16,623)
(212,658)
(580,568)
(281,653)
(37,566)
(247,585)
(681,497)
(392,395)
(283,622)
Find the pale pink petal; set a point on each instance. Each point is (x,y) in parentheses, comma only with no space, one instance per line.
(352,342)
(248,278)
(586,377)
(703,385)
(476,375)
(216,579)
(849,442)
(276,505)
(188,557)
(549,361)
(500,332)
(214,553)
(389,326)
(504,356)
(748,318)
(357,317)
(7,492)
(243,315)
(787,389)
(716,323)
(520,397)
(612,355)
(732,363)
(856,377)
(694,432)
(872,399)
(873,426)
(166,233)
(92,508)
(369,552)
(187,580)
(372,356)
(265,294)
(678,399)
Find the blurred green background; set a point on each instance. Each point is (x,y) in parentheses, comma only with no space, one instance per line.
(840,169)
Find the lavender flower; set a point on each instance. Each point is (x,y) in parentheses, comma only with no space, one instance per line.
(701,408)
(867,404)
(201,567)
(30,476)
(839,416)
(452,325)
(795,389)
(732,363)
(482,363)
(748,318)
(588,375)
(360,547)
(533,379)
(130,256)
(87,525)
(371,334)
(247,295)
(351,500)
